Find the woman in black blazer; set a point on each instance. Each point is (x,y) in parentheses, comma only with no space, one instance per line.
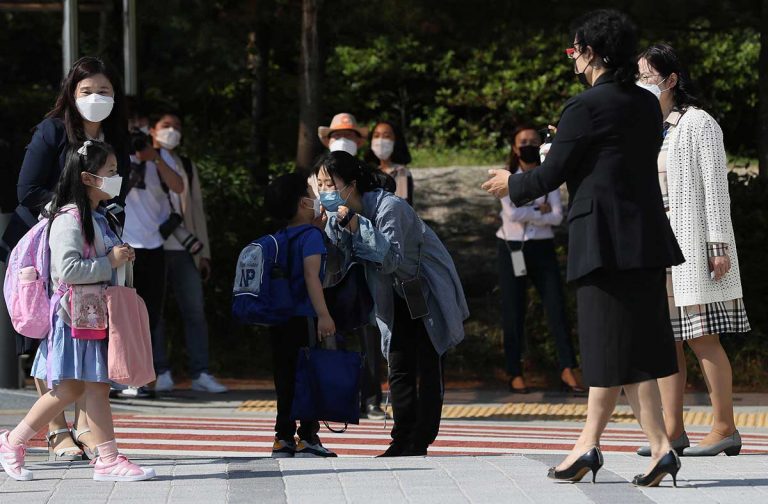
(620,241)
(90,105)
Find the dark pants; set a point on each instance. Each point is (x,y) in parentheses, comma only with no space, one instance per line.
(286,340)
(184,279)
(415,381)
(370,344)
(544,272)
(149,281)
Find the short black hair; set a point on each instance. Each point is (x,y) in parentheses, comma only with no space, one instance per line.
(283,195)
(613,38)
(155,117)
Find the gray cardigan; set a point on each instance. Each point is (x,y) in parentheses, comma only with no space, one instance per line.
(67,262)
(387,242)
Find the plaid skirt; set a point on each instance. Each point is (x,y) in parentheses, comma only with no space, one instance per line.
(689,322)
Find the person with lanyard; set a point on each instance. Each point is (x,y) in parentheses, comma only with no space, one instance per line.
(526,248)
(419,303)
(705,295)
(153,176)
(188,264)
(389,151)
(619,239)
(90,106)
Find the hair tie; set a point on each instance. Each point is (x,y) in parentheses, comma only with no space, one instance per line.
(83,151)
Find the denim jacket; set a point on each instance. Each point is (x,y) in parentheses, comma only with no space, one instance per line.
(389,240)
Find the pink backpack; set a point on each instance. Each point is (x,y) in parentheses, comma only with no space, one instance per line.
(27,281)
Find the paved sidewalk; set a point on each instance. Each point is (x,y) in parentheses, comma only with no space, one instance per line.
(439,480)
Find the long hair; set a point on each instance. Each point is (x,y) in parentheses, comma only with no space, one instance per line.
(70,188)
(613,38)
(400,153)
(115,126)
(350,169)
(513,161)
(663,58)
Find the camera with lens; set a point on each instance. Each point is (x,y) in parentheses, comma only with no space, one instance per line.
(139,140)
(173,226)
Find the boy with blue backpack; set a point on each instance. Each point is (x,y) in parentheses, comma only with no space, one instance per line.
(279,284)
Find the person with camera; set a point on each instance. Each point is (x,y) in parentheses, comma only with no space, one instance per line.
(187,263)
(154,176)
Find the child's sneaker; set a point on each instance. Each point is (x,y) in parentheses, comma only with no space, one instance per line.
(121,469)
(283,449)
(12,459)
(307,449)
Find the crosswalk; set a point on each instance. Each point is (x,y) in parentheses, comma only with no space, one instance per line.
(141,434)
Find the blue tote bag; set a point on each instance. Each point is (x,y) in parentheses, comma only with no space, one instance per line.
(327,386)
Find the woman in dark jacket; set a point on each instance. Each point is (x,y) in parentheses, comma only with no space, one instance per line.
(620,241)
(90,105)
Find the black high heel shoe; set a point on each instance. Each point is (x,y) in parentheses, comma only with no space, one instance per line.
(576,390)
(590,461)
(668,464)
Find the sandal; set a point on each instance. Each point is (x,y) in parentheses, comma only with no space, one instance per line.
(68,454)
(88,453)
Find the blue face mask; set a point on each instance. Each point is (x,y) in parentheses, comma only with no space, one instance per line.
(332,200)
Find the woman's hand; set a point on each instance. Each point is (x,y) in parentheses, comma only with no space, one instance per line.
(148,153)
(545,208)
(498,184)
(121,254)
(353,223)
(325,327)
(719,265)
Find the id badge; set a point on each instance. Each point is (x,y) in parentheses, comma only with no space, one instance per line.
(518,263)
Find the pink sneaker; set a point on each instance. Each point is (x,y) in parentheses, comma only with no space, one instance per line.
(12,459)
(121,469)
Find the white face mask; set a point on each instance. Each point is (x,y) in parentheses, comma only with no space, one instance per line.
(144,129)
(315,206)
(168,138)
(111,185)
(653,88)
(95,107)
(343,144)
(382,147)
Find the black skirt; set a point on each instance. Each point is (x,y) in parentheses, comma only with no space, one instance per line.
(625,335)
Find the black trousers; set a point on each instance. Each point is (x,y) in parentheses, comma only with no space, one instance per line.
(544,272)
(149,281)
(370,387)
(286,340)
(415,381)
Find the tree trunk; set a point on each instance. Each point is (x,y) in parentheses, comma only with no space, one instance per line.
(258,64)
(762,141)
(308,85)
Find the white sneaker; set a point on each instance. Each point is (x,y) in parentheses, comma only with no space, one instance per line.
(164,382)
(207,383)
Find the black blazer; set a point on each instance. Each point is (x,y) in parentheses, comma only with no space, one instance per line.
(606,151)
(43,164)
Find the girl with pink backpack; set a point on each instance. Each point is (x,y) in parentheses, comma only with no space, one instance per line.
(85,257)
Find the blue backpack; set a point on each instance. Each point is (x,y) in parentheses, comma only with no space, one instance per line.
(262,290)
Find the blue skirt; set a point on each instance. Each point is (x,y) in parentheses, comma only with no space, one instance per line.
(69,358)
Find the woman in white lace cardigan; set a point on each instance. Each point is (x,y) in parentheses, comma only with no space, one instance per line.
(705,296)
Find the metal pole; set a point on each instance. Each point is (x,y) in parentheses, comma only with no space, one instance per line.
(129,47)
(9,363)
(69,43)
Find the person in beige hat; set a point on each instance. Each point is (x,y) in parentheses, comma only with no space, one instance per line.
(343,134)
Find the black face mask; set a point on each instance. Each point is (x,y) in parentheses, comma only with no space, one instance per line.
(529,154)
(580,75)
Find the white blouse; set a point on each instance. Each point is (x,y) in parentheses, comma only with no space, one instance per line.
(700,209)
(527,222)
